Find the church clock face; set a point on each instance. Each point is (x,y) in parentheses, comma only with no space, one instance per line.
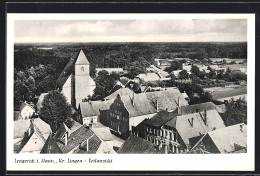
(82,69)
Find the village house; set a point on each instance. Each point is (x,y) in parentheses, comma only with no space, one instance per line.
(89,112)
(83,141)
(51,147)
(172,130)
(128,111)
(75,81)
(231,139)
(121,92)
(30,135)
(26,110)
(148,77)
(137,145)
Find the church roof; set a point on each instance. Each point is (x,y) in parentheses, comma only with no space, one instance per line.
(82,59)
(69,69)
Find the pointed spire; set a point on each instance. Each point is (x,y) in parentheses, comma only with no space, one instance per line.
(82,59)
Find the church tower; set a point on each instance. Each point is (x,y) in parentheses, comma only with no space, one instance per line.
(82,78)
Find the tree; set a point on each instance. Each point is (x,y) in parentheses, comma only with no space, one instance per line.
(195,70)
(175,65)
(104,83)
(183,74)
(137,67)
(55,109)
(236,112)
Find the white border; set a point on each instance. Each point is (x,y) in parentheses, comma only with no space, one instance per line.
(230,162)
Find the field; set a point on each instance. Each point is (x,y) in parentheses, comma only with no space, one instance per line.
(229,92)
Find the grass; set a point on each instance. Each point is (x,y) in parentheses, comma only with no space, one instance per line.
(222,94)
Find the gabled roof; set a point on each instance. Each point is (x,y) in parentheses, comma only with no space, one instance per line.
(51,146)
(161,118)
(121,92)
(167,99)
(89,109)
(93,146)
(82,59)
(192,125)
(137,105)
(64,128)
(76,138)
(103,132)
(137,145)
(227,139)
(197,107)
(23,104)
(67,71)
(148,76)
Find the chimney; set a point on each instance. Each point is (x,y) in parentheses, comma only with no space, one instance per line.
(68,132)
(87,147)
(205,117)
(180,110)
(157,105)
(66,139)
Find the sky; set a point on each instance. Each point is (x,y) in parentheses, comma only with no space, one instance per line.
(172,30)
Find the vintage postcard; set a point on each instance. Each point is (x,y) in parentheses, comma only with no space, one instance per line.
(130,91)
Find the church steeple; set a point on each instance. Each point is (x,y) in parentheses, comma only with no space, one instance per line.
(82,59)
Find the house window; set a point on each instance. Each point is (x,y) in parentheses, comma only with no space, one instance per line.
(170,135)
(117,116)
(174,136)
(166,134)
(147,129)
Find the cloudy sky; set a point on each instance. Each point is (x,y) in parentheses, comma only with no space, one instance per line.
(174,30)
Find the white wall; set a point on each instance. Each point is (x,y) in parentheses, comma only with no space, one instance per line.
(134,121)
(27,112)
(66,90)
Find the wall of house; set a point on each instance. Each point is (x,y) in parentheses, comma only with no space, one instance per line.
(89,120)
(67,89)
(134,121)
(34,145)
(27,112)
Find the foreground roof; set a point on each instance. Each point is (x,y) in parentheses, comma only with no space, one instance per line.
(137,145)
(51,146)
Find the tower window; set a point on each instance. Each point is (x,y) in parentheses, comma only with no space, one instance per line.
(82,68)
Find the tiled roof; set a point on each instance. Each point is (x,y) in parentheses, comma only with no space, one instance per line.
(51,146)
(63,129)
(121,92)
(161,118)
(92,108)
(186,130)
(82,59)
(137,145)
(44,128)
(197,107)
(138,105)
(93,146)
(103,132)
(167,99)
(148,76)
(76,138)
(226,139)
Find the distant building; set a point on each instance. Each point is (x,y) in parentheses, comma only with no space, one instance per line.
(121,92)
(231,139)
(26,110)
(110,70)
(147,77)
(75,82)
